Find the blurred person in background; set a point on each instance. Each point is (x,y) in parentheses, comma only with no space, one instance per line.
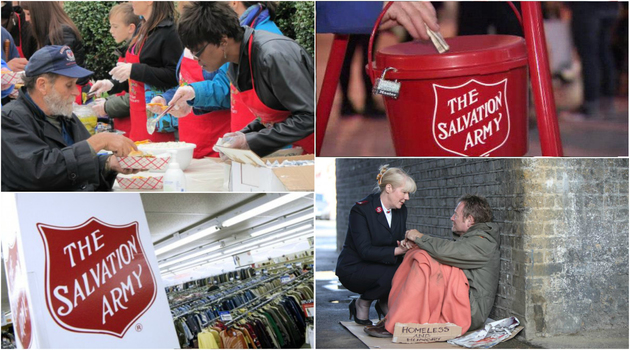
(592,26)
(14,19)
(51,26)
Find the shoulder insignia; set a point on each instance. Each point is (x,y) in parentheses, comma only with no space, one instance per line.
(362,202)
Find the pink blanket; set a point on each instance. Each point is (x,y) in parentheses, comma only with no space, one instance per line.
(425,291)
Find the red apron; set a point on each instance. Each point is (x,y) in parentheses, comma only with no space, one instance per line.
(18,46)
(203,130)
(268,116)
(123,124)
(138,108)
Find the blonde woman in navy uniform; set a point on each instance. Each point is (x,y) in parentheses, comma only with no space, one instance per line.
(372,250)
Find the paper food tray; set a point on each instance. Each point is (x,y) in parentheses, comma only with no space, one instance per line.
(135,182)
(152,163)
(11,78)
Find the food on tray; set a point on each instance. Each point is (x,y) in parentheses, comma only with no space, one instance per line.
(140,154)
(142,142)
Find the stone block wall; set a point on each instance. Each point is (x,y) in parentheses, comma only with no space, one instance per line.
(564,238)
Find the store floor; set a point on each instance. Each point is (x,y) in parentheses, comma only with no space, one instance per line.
(356,135)
(333,298)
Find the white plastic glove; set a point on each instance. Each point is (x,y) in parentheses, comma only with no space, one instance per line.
(121,72)
(157,109)
(101,86)
(181,111)
(99,107)
(232,140)
(235,140)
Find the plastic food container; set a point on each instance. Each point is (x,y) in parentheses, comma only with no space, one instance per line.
(137,182)
(469,101)
(184,150)
(87,116)
(149,163)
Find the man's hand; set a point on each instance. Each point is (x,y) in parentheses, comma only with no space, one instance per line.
(101,86)
(121,72)
(412,15)
(113,164)
(99,107)
(118,144)
(17,64)
(412,235)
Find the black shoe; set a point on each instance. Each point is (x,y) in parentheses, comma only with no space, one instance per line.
(379,311)
(353,312)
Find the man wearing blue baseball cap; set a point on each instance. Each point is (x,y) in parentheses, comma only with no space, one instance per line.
(45,147)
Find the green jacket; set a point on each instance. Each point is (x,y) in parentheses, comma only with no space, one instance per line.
(477,253)
(117,106)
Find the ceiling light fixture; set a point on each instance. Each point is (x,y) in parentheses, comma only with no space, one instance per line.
(187,256)
(183,241)
(280,236)
(282,225)
(280,201)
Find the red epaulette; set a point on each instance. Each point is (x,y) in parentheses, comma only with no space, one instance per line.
(362,202)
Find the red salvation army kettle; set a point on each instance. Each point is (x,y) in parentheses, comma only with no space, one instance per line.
(469,101)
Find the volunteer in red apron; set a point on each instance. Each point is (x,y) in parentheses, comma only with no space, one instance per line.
(201,129)
(123,25)
(279,87)
(149,69)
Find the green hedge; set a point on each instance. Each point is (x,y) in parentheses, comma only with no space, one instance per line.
(294,18)
(92,20)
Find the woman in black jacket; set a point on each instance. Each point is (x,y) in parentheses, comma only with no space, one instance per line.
(51,25)
(372,250)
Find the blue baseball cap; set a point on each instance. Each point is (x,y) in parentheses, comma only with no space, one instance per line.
(55,59)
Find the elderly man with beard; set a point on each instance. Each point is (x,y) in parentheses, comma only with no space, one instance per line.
(45,147)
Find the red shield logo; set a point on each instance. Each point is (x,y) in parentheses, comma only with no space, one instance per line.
(98,279)
(379,210)
(19,302)
(472,119)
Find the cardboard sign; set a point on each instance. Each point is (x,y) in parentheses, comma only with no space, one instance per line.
(91,273)
(410,333)
(472,119)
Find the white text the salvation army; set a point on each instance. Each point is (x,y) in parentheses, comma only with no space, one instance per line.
(479,122)
(101,275)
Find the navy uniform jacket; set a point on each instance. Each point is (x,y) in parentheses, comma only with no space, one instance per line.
(369,237)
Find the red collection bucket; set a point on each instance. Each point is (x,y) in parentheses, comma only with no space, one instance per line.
(470,101)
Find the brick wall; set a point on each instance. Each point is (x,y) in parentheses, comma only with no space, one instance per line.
(564,238)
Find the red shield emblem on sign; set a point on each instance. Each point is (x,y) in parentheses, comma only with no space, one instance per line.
(19,302)
(98,279)
(472,119)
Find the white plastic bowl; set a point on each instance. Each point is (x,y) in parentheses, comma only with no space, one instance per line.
(184,150)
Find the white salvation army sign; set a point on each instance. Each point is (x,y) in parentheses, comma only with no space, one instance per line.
(472,119)
(93,278)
